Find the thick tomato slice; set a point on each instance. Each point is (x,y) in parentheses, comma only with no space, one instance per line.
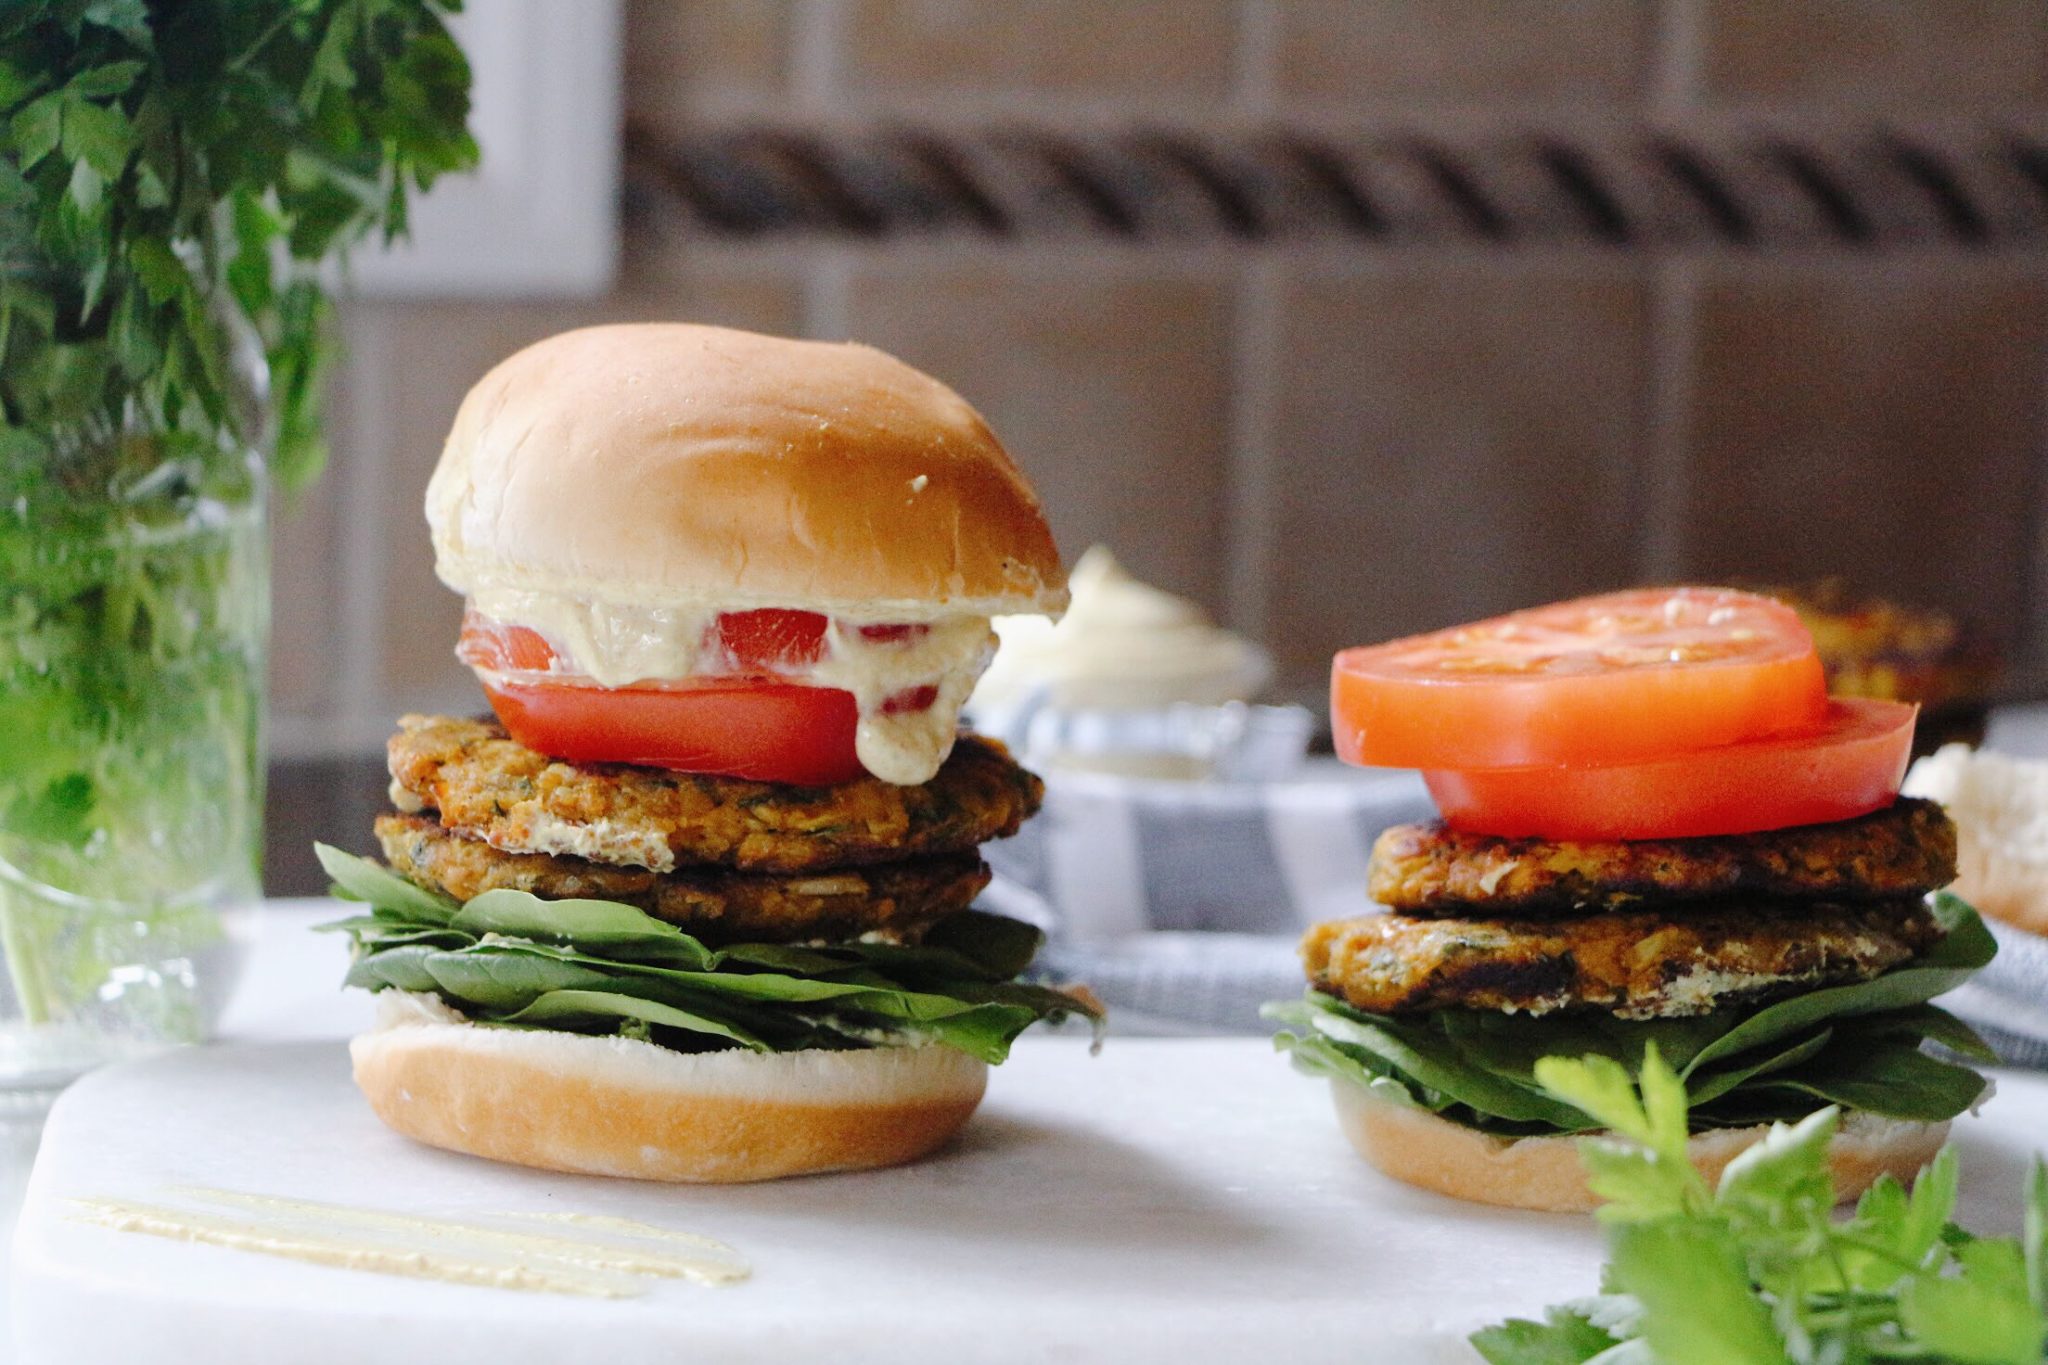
(753,724)
(1850,765)
(1603,680)
(739,727)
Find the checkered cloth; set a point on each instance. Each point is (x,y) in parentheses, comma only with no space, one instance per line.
(1180,903)
(2008,1001)
(1111,857)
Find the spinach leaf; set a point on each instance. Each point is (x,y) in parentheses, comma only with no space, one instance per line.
(583,923)
(579,1010)
(1858,1046)
(359,879)
(1887,1076)
(509,958)
(403,968)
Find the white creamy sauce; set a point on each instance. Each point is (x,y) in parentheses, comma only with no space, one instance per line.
(1122,645)
(908,746)
(599,840)
(613,644)
(619,645)
(596,1256)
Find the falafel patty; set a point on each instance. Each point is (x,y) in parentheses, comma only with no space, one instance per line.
(897,899)
(1907,849)
(1635,966)
(490,787)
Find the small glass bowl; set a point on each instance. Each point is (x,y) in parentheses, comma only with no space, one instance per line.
(1228,742)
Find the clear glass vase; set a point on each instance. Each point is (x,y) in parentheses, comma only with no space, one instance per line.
(134,620)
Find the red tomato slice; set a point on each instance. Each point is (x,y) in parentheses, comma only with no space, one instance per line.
(1621,678)
(772,637)
(747,725)
(739,727)
(1850,765)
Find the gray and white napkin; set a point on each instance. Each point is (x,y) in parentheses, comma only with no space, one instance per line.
(1112,857)
(2007,1002)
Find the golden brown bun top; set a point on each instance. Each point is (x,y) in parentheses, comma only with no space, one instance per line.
(671,464)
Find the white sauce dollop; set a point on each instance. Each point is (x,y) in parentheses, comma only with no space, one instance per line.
(1123,645)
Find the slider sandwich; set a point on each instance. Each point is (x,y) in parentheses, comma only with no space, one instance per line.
(696,903)
(1656,831)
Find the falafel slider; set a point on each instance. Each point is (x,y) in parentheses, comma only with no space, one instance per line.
(696,904)
(1758,906)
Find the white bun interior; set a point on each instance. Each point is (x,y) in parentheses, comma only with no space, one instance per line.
(619,1107)
(1544,1173)
(2000,806)
(670,465)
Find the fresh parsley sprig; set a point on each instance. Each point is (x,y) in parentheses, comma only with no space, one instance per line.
(170,173)
(1757,1270)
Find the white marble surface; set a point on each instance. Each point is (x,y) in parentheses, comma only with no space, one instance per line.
(1183,1199)
(1170,1199)
(289,989)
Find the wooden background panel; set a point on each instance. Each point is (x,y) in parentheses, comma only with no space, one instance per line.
(1451,441)
(1109,384)
(1884,424)
(1921,54)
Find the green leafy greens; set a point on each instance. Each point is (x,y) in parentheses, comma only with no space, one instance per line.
(1858,1046)
(170,171)
(584,966)
(1758,1271)
(172,174)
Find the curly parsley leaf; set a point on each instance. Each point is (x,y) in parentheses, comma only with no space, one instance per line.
(1564,1337)
(1760,1270)
(171,175)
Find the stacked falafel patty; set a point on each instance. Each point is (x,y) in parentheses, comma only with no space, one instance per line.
(1778,972)
(695,911)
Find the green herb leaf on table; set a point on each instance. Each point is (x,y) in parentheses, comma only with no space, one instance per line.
(1564,1337)
(1699,1307)
(1760,1270)
(513,960)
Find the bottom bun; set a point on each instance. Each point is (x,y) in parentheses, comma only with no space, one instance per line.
(617,1106)
(1544,1173)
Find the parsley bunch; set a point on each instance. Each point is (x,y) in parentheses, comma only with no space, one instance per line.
(1758,1271)
(170,173)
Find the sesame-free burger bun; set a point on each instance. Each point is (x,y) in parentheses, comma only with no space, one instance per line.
(671,464)
(621,1107)
(1544,1173)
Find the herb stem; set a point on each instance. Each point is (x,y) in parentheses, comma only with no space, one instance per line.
(24,959)
(262,40)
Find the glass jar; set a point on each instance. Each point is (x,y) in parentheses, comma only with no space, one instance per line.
(134,620)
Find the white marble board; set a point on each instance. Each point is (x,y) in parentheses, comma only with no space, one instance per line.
(1182,1200)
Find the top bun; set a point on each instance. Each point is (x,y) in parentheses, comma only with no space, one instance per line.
(671,464)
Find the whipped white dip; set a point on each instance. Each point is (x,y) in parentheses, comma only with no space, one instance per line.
(1123,645)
